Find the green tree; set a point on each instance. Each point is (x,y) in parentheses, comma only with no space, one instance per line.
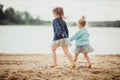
(2,15)
(10,14)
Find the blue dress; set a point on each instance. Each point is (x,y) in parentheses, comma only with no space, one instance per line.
(60,29)
(61,33)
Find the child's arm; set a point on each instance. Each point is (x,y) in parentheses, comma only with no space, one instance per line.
(57,28)
(76,36)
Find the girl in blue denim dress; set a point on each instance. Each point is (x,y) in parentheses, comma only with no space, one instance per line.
(82,42)
(61,35)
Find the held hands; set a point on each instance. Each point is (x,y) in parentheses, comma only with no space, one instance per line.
(62,35)
(70,44)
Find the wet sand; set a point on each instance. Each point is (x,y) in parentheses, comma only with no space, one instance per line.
(37,67)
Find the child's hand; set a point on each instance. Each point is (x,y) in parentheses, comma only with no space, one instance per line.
(63,35)
(70,44)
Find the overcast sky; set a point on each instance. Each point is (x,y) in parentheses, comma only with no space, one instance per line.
(94,10)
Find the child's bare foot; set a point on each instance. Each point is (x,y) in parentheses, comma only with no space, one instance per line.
(73,65)
(54,65)
(89,66)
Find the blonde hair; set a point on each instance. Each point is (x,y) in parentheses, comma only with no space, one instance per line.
(83,18)
(82,22)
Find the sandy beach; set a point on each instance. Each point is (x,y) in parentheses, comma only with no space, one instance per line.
(37,67)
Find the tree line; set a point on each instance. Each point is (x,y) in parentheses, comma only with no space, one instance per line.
(104,24)
(10,17)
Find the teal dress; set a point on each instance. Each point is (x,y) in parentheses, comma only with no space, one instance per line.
(82,41)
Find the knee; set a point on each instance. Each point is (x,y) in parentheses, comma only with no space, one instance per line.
(76,54)
(66,51)
(53,49)
(85,55)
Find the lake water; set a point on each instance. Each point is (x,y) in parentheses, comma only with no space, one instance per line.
(37,39)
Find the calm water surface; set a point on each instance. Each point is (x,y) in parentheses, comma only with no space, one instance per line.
(37,39)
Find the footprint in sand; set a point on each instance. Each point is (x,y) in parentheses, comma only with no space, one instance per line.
(2,77)
(96,72)
(81,67)
(116,78)
(4,74)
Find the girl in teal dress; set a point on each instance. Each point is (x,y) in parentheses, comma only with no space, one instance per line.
(82,42)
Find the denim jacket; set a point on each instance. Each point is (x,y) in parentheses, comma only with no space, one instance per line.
(60,29)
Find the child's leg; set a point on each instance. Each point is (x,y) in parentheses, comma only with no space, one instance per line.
(87,58)
(67,53)
(53,50)
(76,57)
